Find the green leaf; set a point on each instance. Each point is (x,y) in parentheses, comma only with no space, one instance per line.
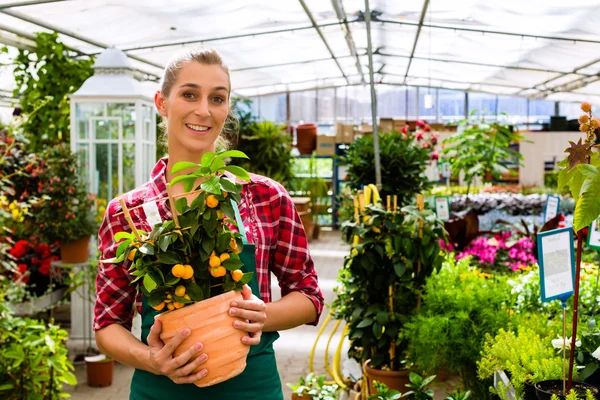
(587,210)
(246,278)
(147,249)
(180,178)
(181,204)
(377,330)
(226,184)
(164,242)
(123,235)
(232,264)
(194,291)
(233,154)
(399,269)
(217,165)
(382,317)
(155,298)
(212,185)
(122,247)
(169,258)
(207,159)
(149,283)
(227,208)
(364,323)
(223,242)
(182,165)
(238,172)
(208,245)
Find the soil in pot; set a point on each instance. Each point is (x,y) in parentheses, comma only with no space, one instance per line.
(529,393)
(546,389)
(211,325)
(76,251)
(392,379)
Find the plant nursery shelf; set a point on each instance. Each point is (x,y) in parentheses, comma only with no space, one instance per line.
(38,304)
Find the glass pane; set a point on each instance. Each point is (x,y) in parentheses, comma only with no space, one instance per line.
(303,106)
(452,105)
(107,170)
(484,104)
(427,114)
(359,104)
(147,120)
(326,110)
(83,162)
(540,111)
(391,102)
(569,110)
(127,112)
(411,100)
(273,108)
(128,167)
(515,107)
(341,104)
(106,129)
(83,111)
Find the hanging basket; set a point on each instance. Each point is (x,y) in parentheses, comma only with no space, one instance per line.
(76,251)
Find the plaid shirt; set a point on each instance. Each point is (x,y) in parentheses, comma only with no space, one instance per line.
(271,222)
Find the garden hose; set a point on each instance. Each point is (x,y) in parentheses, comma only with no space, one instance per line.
(326,358)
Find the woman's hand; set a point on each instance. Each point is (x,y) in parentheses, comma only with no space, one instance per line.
(253,310)
(179,369)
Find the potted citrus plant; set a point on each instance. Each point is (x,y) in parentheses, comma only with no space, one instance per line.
(189,267)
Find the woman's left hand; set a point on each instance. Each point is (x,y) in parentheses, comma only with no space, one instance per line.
(252,310)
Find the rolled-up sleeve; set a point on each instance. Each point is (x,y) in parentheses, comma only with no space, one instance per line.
(293,264)
(115,296)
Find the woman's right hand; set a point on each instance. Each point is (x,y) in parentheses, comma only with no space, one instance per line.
(179,369)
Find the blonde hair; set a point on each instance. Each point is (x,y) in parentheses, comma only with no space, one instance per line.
(207,57)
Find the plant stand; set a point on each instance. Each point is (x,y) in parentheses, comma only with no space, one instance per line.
(39,304)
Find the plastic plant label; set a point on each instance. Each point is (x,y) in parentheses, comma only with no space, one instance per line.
(152,215)
(594,235)
(551,209)
(442,207)
(557,263)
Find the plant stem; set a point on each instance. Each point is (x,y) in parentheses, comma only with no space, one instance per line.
(575,305)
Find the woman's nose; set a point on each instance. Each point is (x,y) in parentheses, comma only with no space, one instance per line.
(202,108)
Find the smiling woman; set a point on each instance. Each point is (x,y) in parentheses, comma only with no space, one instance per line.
(194,102)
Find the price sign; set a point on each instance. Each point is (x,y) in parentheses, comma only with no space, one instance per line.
(557,263)
(594,235)
(551,209)
(442,207)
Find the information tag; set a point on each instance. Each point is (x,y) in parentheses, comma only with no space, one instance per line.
(152,214)
(557,263)
(594,235)
(445,169)
(551,209)
(442,207)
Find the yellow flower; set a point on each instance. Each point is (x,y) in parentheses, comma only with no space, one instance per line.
(15,213)
(13,206)
(586,107)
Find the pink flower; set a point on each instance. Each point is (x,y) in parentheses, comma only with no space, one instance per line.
(435,156)
(434,140)
(405,129)
(419,136)
(426,128)
(426,145)
(420,123)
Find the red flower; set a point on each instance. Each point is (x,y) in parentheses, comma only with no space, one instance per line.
(43,250)
(420,123)
(419,136)
(20,249)
(405,129)
(435,156)
(426,128)
(434,140)
(20,274)
(45,267)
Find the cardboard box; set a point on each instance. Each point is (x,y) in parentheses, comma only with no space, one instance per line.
(398,124)
(344,133)
(386,125)
(326,145)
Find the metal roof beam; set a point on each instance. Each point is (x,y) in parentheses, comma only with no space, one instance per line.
(286,64)
(74,35)
(420,26)
(318,29)
(338,6)
(459,82)
(27,3)
(487,31)
(296,82)
(214,39)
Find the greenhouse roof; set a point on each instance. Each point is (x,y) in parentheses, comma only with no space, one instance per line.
(538,48)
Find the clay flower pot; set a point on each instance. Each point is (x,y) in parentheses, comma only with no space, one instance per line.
(306,138)
(76,251)
(211,325)
(99,370)
(392,379)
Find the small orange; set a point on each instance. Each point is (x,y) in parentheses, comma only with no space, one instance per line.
(214,261)
(171,306)
(237,275)
(218,272)
(178,270)
(187,297)
(180,291)
(159,307)
(233,244)
(220,214)
(189,272)
(131,254)
(237,250)
(225,194)
(224,256)
(178,304)
(211,201)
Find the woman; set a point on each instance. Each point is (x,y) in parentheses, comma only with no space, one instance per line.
(194,102)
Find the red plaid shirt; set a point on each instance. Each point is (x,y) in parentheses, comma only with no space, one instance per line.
(271,222)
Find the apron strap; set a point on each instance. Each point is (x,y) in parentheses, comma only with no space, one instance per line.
(238,219)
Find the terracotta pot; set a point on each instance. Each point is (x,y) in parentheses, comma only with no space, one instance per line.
(76,251)
(298,397)
(306,138)
(392,379)
(99,370)
(211,325)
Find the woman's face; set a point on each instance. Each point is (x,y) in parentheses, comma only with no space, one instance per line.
(196,107)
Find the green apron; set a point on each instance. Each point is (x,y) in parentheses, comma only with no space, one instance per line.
(259,381)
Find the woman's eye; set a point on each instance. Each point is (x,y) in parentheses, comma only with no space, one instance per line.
(188,95)
(218,99)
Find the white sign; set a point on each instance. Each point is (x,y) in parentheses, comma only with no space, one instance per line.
(152,215)
(555,257)
(442,208)
(594,235)
(445,167)
(552,205)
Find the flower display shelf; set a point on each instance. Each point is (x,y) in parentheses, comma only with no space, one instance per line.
(38,304)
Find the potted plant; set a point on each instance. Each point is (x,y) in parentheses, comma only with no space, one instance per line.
(66,209)
(381,283)
(418,385)
(189,267)
(314,387)
(99,370)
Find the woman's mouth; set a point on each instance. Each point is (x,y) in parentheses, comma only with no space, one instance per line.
(198,129)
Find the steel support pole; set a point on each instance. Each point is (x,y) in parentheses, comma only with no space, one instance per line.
(373,99)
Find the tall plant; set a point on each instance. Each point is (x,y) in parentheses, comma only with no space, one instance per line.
(50,73)
(481,149)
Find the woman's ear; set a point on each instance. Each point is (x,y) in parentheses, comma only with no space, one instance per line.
(159,102)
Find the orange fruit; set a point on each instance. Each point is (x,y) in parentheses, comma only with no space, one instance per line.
(237,275)
(218,272)
(233,244)
(189,272)
(224,256)
(178,270)
(187,297)
(214,261)
(180,291)
(211,201)
(237,250)
(131,254)
(178,304)
(220,214)
(159,307)
(171,306)
(225,194)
